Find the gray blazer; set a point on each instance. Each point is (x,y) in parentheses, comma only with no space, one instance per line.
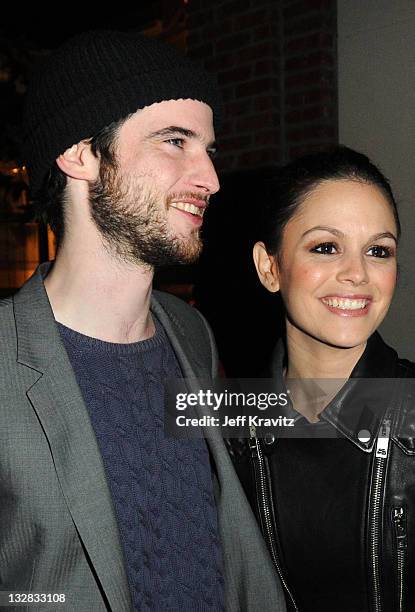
(58,532)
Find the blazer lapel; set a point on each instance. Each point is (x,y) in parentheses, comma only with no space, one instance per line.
(189,360)
(195,373)
(57,400)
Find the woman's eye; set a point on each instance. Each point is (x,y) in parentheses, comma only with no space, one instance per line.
(325,248)
(380,251)
(176,142)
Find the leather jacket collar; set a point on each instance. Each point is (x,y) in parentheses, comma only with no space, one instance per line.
(357,410)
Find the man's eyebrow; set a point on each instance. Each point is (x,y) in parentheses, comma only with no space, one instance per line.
(173,130)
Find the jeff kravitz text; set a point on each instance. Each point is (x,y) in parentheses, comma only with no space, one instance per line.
(239,421)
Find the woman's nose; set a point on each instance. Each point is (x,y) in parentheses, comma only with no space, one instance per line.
(353,270)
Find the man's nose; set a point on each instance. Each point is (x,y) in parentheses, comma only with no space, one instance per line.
(203,174)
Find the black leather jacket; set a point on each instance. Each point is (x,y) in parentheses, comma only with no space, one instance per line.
(386,508)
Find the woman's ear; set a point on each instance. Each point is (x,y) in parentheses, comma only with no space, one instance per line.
(266,267)
(79,162)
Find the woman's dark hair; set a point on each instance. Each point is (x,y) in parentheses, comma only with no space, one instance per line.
(49,201)
(295,181)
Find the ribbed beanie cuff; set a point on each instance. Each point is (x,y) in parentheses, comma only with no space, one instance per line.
(99,77)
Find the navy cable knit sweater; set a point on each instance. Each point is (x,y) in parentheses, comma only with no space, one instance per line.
(161,487)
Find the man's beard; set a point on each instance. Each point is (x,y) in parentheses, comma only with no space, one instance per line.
(132,220)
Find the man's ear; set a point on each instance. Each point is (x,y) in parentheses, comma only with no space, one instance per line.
(79,162)
(266,267)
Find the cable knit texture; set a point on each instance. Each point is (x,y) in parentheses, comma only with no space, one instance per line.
(161,487)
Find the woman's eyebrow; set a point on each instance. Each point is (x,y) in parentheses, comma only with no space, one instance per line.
(384,235)
(339,234)
(326,228)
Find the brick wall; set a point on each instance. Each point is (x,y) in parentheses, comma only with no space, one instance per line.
(276,65)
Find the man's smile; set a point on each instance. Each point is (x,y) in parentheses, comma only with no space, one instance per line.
(189,207)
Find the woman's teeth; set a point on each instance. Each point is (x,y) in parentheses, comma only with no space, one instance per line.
(187,207)
(345,304)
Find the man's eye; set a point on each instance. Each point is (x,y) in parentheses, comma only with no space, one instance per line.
(325,248)
(212,153)
(176,142)
(380,251)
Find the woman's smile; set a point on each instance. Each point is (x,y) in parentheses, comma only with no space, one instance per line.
(347,305)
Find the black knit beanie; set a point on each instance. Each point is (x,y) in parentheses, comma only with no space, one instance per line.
(99,77)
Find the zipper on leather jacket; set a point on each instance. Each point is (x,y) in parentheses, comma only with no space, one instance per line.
(263,488)
(375,510)
(401,542)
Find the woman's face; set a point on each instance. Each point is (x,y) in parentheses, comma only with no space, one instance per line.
(337,265)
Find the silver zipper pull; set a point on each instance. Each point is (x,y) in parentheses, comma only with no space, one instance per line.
(253,441)
(382,445)
(398,518)
(399,524)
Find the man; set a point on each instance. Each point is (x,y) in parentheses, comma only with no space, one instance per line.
(96,503)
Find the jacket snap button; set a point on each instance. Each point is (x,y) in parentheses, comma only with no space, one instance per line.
(269,438)
(364,435)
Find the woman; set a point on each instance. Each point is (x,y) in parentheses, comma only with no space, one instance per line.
(336,503)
